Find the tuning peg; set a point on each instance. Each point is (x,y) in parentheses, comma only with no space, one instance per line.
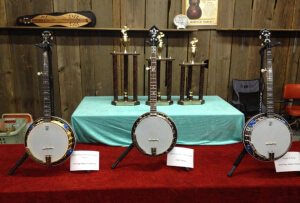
(259,36)
(263,70)
(39,73)
(147,68)
(262,44)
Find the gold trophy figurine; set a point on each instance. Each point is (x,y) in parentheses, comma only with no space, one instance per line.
(161,45)
(125,40)
(193,49)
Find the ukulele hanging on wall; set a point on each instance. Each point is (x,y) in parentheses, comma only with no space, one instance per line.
(194,11)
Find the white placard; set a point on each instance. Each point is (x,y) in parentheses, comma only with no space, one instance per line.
(84,161)
(289,162)
(182,157)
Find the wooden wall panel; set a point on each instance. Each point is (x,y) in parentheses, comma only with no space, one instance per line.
(136,19)
(242,14)
(238,66)
(218,73)
(226,13)
(82,64)
(293,60)
(157,13)
(7,76)
(280,55)
(283,14)
(3,19)
(296,17)
(68,61)
(262,13)
(177,49)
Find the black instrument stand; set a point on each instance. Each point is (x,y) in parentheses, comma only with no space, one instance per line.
(244,151)
(25,156)
(122,156)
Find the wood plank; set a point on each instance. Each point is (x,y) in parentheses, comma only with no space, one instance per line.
(239,53)
(136,18)
(175,9)
(296,16)
(88,53)
(283,14)
(68,63)
(7,75)
(103,45)
(177,49)
(218,74)
(157,13)
(293,57)
(262,13)
(3,19)
(117,18)
(280,55)
(242,14)
(226,13)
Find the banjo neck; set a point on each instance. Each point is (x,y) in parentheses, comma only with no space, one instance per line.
(153,82)
(153,32)
(45,46)
(269,76)
(46,88)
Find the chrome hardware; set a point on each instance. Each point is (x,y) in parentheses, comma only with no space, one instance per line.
(39,73)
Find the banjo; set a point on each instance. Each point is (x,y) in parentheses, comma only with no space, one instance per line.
(49,140)
(154,133)
(267,136)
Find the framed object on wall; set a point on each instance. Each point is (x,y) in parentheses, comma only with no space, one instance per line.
(200,12)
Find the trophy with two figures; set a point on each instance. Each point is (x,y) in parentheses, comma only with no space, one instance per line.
(126,100)
(186,82)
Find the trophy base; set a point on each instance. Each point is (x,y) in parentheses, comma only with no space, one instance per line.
(162,102)
(191,102)
(122,102)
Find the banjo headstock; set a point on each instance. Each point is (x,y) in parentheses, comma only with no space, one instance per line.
(153,32)
(265,36)
(46,37)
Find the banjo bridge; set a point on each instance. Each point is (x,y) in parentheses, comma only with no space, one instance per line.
(46,148)
(153,140)
(271,143)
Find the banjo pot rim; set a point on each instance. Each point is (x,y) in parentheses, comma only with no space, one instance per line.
(164,117)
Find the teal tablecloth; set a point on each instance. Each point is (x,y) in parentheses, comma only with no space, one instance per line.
(214,123)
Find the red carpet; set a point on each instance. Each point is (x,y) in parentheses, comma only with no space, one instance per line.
(139,178)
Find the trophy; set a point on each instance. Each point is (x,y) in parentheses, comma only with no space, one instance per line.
(125,40)
(193,49)
(160,45)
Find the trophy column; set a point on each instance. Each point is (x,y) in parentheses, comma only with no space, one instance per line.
(125,101)
(189,100)
(168,81)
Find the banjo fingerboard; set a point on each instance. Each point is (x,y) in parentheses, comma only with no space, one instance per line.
(153,82)
(269,76)
(46,87)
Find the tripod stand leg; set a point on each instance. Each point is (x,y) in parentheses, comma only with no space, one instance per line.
(23,158)
(122,156)
(186,169)
(237,162)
